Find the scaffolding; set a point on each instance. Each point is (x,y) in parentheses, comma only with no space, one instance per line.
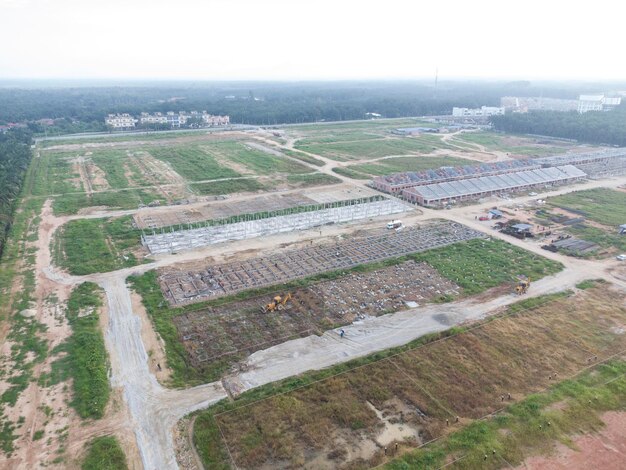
(192,236)
(224,279)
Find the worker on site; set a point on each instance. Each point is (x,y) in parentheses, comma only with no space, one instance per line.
(341,333)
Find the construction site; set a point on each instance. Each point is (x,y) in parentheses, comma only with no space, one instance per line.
(258,303)
(363,417)
(446,185)
(219,280)
(269,223)
(228,333)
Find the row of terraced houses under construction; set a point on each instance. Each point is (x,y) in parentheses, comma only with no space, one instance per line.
(446,185)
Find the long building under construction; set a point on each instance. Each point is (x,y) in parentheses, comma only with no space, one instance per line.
(472,188)
(447,184)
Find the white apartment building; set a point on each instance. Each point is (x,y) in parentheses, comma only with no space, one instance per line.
(597,103)
(482,111)
(120,121)
(181,118)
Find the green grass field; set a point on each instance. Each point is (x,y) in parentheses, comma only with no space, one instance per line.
(214,188)
(312,179)
(493,141)
(69,204)
(89,246)
(114,164)
(192,162)
(51,174)
(605,206)
(401,164)
(369,149)
(256,161)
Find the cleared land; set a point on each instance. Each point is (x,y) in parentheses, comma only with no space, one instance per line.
(203,340)
(346,420)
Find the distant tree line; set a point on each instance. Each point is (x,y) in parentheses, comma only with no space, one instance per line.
(15,156)
(595,127)
(83,109)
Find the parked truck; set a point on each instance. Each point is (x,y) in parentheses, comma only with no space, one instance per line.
(394,224)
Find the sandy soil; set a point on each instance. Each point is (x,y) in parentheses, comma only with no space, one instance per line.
(604,450)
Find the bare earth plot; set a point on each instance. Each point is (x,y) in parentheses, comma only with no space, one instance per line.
(347,420)
(238,329)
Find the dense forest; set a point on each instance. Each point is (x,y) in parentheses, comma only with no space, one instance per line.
(15,155)
(593,127)
(83,108)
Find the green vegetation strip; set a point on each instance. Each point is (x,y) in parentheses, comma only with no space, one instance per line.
(85,360)
(104,453)
(68,204)
(475,265)
(88,246)
(312,179)
(239,185)
(28,347)
(529,427)
(303,157)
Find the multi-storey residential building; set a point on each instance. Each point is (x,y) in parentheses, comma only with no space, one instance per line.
(181,118)
(120,121)
(482,111)
(597,103)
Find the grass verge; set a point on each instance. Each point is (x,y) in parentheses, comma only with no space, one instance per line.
(104,453)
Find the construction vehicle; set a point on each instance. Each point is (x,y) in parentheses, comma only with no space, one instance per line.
(277,304)
(522,286)
(394,224)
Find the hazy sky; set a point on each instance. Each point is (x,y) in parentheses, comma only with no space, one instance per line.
(311,39)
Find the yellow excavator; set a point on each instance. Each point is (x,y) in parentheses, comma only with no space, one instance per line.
(277,304)
(522,286)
